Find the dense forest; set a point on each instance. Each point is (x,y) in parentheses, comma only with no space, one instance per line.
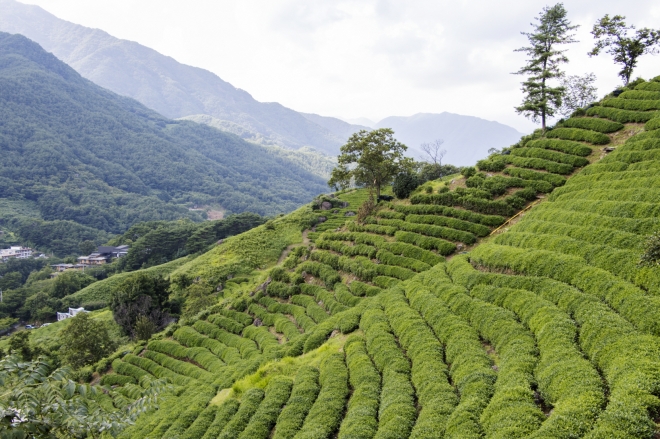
(86,155)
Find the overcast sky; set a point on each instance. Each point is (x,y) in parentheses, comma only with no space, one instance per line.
(362,58)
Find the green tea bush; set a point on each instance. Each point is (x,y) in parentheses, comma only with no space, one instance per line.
(605,337)
(580,134)
(247,348)
(281,290)
(199,355)
(640,95)
(426,209)
(299,313)
(324,296)
(389,214)
(488,207)
(492,164)
(177,366)
(621,116)
(361,419)
(193,409)
(542,164)
(361,289)
(554,156)
(263,420)
(631,302)
(157,370)
(528,174)
(565,146)
(389,258)
(511,411)
(191,338)
(326,273)
(240,317)
(471,370)
(435,394)
(434,231)
(325,415)
(630,104)
(250,402)
(305,391)
(226,323)
(397,411)
(412,251)
(227,411)
(372,228)
(114,379)
(594,124)
(648,86)
(201,423)
(316,312)
(385,282)
(352,250)
(476,229)
(361,267)
(652,124)
(443,247)
(345,296)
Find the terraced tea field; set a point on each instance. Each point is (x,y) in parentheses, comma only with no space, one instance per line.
(436,317)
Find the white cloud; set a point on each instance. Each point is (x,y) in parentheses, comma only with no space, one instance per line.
(371,58)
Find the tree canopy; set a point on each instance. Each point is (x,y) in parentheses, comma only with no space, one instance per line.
(85,341)
(371,159)
(552,29)
(611,34)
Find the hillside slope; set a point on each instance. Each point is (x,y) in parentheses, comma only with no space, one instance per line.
(84,154)
(161,83)
(548,328)
(467,138)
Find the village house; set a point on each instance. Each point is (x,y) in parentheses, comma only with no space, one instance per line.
(72,312)
(15,252)
(103,255)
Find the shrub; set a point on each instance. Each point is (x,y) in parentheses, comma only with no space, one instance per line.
(263,420)
(404,184)
(305,390)
(412,251)
(325,415)
(622,116)
(385,282)
(640,95)
(361,418)
(579,134)
(528,174)
(426,242)
(551,155)
(593,124)
(536,163)
(424,209)
(566,146)
(476,229)
(652,124)
(249,404)
(648,86)
(361,289)
(492,164)
(431,230)
(630,104)
(468,171)
(389,258)
(324,272)
(117,380)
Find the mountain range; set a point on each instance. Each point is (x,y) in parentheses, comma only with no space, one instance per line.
(177,90)
(73,151)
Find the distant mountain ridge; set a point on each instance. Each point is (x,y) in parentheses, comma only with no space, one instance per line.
(183,92)
(81,153)
(161,83)
(466,138)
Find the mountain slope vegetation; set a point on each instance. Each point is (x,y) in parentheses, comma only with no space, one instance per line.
(80,153)
(435,316)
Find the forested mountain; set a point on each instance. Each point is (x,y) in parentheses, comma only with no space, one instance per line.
(163,84)
(467,138)
(81,153)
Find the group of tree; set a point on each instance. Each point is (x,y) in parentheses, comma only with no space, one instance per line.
(546,88)
(375,158)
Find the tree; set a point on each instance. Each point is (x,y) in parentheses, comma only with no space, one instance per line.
(552,30)
(434,152)
(651,255)
(140,295)
(611,34)
(69,282)
(404,184)
(41,402)
(85,341)
(87,247)
(580,92)
(374,158)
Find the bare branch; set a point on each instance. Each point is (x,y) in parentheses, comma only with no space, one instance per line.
(433,151)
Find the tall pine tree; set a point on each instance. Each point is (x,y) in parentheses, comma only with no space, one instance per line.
(551,30)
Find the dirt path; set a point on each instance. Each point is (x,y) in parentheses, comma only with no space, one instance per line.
(285,253)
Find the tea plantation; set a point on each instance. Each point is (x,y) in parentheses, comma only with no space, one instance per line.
(435,316)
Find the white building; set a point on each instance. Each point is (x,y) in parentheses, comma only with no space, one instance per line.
(15,252)
(72,312)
